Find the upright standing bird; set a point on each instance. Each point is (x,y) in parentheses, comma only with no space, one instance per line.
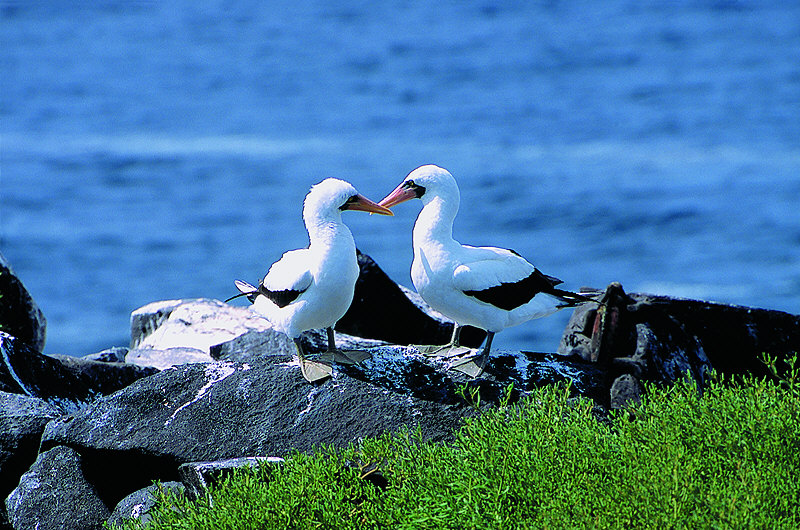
(487,287)
(312,288)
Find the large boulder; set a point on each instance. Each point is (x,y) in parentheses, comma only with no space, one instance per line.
(174,332)
(216,411)
(19,315)
(22,421)
(55,493)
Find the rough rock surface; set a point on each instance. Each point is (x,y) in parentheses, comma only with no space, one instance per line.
(166,358)
(115,354)
(22,421)
(198,477)
(54,493)
(103,377)
(138,504)
(19,315)
(186,330)
(226,410)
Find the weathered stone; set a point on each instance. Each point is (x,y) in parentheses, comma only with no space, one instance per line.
(138,504)
(104,377)
(163,359)
(188,325)
(625,391)
(19,315)
(22,421)
(227,410)
(147,319)
(733,338)
(198,477)
(54,493)
(658,338)
(115,354)
(256,344)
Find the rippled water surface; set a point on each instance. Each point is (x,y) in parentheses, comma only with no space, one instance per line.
(152,151)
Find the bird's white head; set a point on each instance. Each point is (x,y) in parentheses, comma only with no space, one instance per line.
(332,196)
(425,183)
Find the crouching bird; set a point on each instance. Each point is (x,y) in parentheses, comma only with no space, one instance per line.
(312,288)
(487,287)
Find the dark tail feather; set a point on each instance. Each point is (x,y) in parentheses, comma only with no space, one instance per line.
(245,289)
(571,299)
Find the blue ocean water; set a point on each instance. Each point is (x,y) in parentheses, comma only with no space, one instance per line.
(153,150)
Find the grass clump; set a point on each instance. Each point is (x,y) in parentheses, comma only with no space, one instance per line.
(727,459)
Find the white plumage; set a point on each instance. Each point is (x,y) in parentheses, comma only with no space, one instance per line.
(312,288)
(487,287)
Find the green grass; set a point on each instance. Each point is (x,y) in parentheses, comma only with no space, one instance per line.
(728,459)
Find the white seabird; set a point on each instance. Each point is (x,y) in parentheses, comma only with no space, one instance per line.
(312,288)
(487,287)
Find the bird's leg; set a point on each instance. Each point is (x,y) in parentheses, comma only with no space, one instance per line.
(455,339)
(340,356)
(331,339)
(484,360)
(311,370)
(474,366)
(451,349)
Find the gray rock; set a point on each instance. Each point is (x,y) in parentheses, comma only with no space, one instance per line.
(206,412)
(55,494)
(138,504)
(111,355)
(167,358)
(188,325)
(19,315)
(198,477)
(626,390)
(254,344)
(22,421)
(104,377)
(257,344)
(146,319)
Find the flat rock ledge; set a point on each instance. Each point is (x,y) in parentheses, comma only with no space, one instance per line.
(206,387)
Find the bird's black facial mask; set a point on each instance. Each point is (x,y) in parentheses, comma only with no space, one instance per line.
(418,190)
(348,202)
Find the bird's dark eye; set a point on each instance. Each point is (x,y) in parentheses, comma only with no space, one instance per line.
(419,191)
(350,200)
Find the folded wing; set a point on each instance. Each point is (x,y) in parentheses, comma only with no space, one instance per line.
(288,278)
(501,278)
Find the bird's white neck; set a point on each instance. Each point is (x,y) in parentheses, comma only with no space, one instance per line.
(327,232)
(435,223)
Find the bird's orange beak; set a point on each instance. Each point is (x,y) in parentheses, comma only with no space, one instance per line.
(363,204)
(400,194)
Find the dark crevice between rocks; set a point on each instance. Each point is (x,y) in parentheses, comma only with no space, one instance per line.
(115,474)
